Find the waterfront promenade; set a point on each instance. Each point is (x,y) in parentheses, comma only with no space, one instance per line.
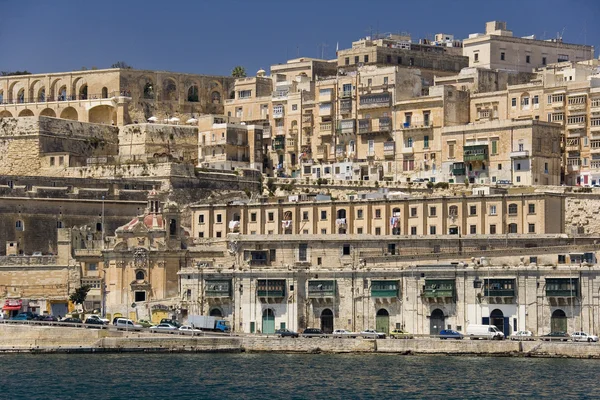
(51,339)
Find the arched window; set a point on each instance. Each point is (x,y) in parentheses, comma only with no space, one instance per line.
(169,90)
(512,209)
(62,93)
(215,97)
(42,94)
(512,228)
(193,94)
(19,225)
(140,275)
(83,92)
(21,96)
(149,90)
(104,93)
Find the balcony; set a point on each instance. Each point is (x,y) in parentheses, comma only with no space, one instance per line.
(407,126)
(215,288)
(562,287)
(279,143)
(325,96)
(271,288)
(346,94)
(519,154)
(307,119)
(572,145)
(266,132)
(476,153)
(408,150)
(291,145)
(325,128)
(389,149)
(347,126)
(375,100)
(384,124)
(346,106)
(321,289)
(364,126)
(278,113)
(385,289)
(322,152)
(436,290)
(257,257)
(324,111)
(499,288)
(340,151)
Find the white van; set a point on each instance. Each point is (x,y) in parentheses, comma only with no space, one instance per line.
(124,323)
(484,332)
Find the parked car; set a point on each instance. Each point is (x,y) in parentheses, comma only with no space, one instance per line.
(312,332)
(24,316)
(522,335)
(163,328)
(450,334)
(96,323)
(475,331)
(400,334)
(562,336)
(127,324)
(286,333)
(342,333)
(372,334)
(49,318)
(170,321)
(189,329)
(98,318)
(71,320)
(145,323)
(583,337)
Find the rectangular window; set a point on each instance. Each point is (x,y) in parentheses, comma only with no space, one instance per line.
(359,231)
(492,210)
(543,60)
(347,61)
(219,234)
(531,228)
(304,215)
(346,250)
(476,57)
(472,229)
(366,58)
(413,211)
(450,150)
(378,213)
(323,215)
(432,230)
(377,231)
(545,168)
(219,218)
(503,56)
(399,60)
(359,214)
(244,94)
(494,147)
(531,208)
(201,219)
(413,230)
(432,211)
(323,231)
(513,102)
(492,229)
(253,217)
(528,59)
(303,252)
(473,210)
(271,217)
(426,142)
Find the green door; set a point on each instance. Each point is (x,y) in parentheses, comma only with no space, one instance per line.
(268,321)
(382,321)
(558,322)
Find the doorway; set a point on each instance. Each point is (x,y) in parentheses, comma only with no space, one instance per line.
(327,321)
(436,322)
(382,321)
(268,321)
(558,322)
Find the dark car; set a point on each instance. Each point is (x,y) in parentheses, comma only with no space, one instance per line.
(170,321)
(72,320)
(312,332)
(562,336)
(24,316)
(94,321)
(450,334)
(286,333)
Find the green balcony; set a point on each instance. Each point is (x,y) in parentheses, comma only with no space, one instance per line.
(279,143)
(499,287)
(562,287)
(321,289)
(270,288)
(439,288)
(475,153)
(217,288)
(381,289)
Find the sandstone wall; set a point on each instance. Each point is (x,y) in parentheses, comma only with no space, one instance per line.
(143,141)
(581,214)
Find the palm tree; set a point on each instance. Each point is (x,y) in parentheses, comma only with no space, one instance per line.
(238,72)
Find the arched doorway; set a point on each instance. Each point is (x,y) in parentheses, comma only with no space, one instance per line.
(268,321)
(327,321)
(102,115)
(382,321)
(497,319)
(216,312)
(558,322)
(436,322)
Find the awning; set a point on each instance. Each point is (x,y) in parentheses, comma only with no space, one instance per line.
(11,308)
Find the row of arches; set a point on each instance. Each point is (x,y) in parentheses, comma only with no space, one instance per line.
(169,93)
(102,114)
(38,94)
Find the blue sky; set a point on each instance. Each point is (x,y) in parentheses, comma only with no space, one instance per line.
(211,37)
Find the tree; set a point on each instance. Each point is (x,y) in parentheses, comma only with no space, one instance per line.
(238,72)
(9,73)
(121,64)
(79,295)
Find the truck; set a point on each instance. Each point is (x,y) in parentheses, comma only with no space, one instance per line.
(207,323)
(484,332)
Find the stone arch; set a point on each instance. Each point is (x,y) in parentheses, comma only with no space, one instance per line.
(216,312)
(436,321)
(34,89)
(41,94)
(62,94)
(48,112)
(12,96)
(83,92)
(69,113)
(169,89)
(75,86)
(5,114)
(21,95)
(105,92)
(327,321)
(103,114)
(215,97)
(558,321)
(193,94)
(26,113)
(52,95)
(382,321)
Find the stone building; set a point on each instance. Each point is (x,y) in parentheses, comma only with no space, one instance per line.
(113,96)
(499,49)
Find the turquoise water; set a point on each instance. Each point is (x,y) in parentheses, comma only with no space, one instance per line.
(282,376)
